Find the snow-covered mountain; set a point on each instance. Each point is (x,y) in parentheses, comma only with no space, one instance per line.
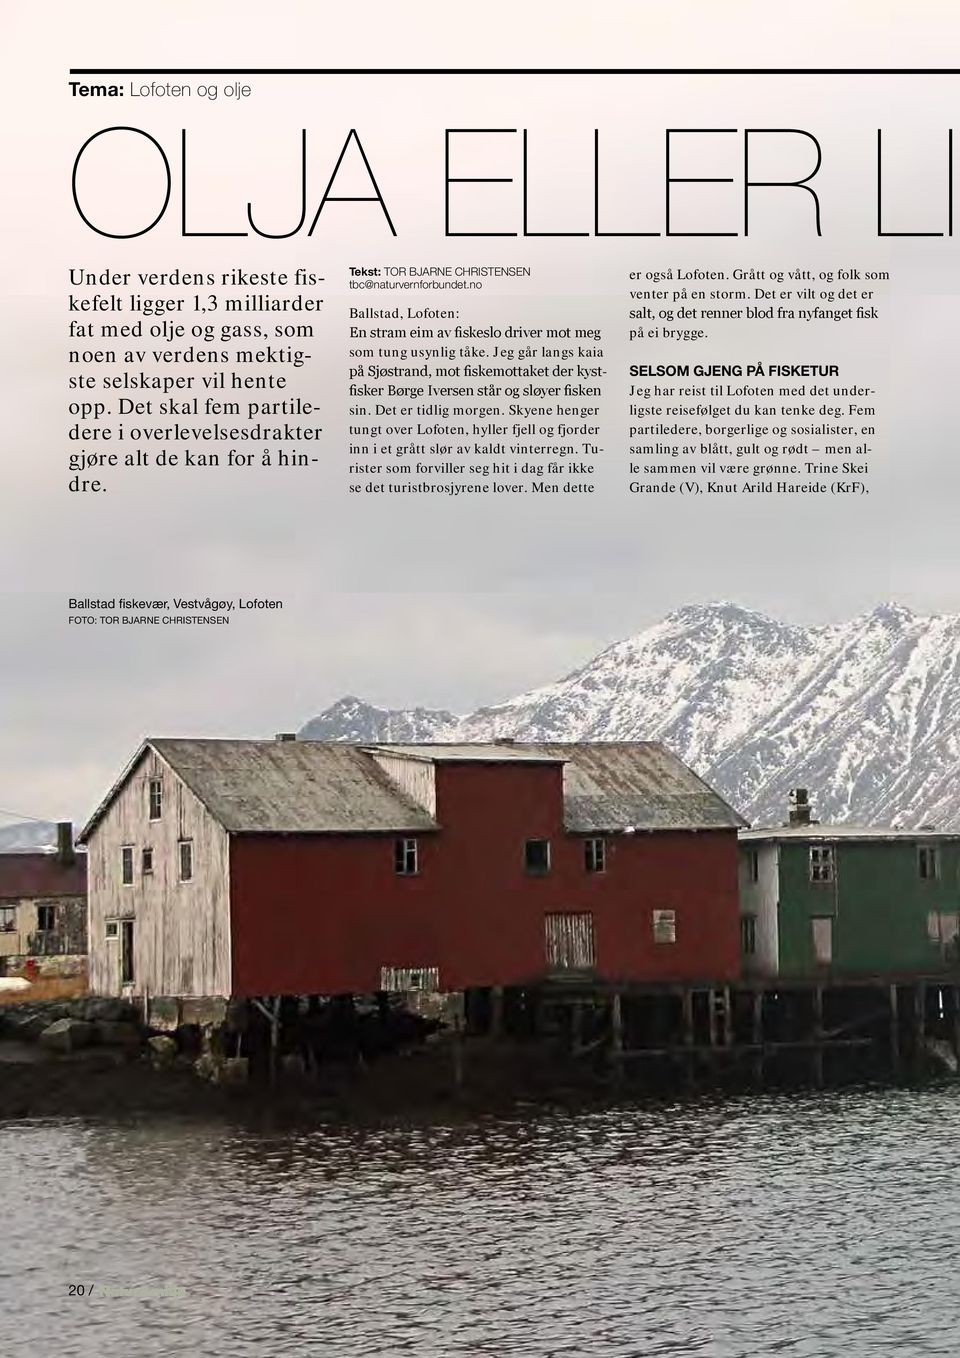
(866,713)
(27,836)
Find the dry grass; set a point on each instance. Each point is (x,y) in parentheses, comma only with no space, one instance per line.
(47,988)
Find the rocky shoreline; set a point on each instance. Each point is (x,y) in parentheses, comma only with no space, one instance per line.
(93,1058)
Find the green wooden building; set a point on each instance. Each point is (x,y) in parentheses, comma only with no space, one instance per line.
(846,900)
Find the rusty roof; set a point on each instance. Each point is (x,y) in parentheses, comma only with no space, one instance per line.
(25,876)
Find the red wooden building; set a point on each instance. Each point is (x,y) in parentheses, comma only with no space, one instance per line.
(252,868)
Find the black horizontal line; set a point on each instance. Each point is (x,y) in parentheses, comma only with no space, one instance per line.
(517,70)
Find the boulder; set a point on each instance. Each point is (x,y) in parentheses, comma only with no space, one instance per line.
(235,1070)
(163,1050)
(106,1007)
(207,1067)
(67,1034)
(28,1027)
(113,1033)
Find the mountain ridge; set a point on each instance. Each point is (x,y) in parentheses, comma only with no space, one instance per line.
(865,713)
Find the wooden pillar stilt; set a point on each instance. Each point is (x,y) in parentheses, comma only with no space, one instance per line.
(458,1044)
(818,1035)
(955,1027)
(712,1002)
(495,1028)
(919,1021)
(756,1033)
(616,1033)
(727,1017)
(894,1029)
(688,1033)
(576,1027)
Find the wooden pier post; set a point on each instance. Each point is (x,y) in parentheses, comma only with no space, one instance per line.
(576,1027)
(818,1035)
(894,1029)
(712,1001)
(919,1022)
(756,1033)
(458,1045)
(495,1028)
(727,1017)
(955,996)
(616,1031)
(686,1000)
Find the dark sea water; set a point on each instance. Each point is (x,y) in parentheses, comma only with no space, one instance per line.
(806,1224)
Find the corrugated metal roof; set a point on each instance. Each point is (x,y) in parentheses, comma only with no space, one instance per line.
(817,832)
(29,875)
(635,785)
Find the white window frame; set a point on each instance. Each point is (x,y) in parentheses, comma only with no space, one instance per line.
(406,856)
(154,783)
(144,870)
(822,863)
(111,930)
(928,857)
(181,845)
(126,855)
(8,919)
(595,854)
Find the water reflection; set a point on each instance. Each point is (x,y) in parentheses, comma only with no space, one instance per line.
(809,1224)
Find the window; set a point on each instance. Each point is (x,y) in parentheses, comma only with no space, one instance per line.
(46,919)
(405,858)
(928,862)
(595,855)
(664,926)
(822,864)
(8,918)
(822,929)
(155,798)
(753,865)
(748,935)
(146,866)
(536,855)
(111,928)
(126,952)
(569,940)
(185,852)
(410,978)
(126,865)
(942,927)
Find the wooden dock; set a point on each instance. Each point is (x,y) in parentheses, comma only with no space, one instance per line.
(882,1027)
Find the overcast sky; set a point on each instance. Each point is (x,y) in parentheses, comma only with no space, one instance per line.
(449,604)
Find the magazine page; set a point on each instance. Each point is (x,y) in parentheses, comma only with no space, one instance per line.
(479,813)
